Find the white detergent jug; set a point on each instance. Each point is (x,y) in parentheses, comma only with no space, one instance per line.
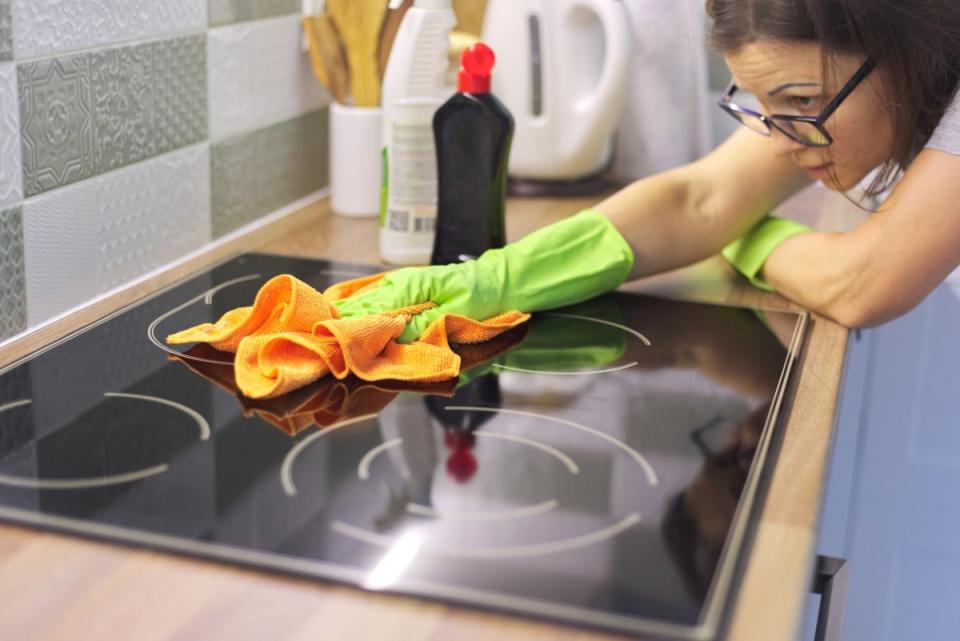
(562,71)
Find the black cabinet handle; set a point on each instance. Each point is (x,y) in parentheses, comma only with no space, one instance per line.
(830,582)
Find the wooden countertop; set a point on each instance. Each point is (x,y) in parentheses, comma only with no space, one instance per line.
(61,587)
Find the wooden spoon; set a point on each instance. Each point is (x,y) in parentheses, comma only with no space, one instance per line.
(359,23)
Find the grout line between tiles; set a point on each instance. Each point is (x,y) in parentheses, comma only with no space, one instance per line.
(111,45)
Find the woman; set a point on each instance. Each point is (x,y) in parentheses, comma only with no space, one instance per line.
(838,89)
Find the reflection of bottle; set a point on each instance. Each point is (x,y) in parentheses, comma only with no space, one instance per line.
(473,131)
(461,464)
(413,460)
(459,425)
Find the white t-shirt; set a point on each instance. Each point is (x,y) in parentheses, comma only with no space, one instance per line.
(946,137)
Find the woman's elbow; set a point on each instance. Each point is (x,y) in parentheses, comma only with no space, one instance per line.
(865,311)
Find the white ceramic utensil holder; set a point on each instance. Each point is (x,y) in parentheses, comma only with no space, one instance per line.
(355,166)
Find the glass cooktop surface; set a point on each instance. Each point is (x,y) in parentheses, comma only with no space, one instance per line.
(599,466)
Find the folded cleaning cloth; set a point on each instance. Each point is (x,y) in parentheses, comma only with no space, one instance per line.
(293,335)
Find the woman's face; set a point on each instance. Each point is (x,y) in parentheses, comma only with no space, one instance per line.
(786,78)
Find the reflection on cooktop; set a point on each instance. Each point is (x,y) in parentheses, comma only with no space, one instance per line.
(598,466)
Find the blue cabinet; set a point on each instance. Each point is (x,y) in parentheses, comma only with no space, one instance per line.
(892,506)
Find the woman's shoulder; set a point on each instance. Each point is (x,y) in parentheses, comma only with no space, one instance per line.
(946,137)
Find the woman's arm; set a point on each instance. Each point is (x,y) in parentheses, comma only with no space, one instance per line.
(890,262)
(687,214)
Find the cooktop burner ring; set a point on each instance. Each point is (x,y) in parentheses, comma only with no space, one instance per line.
(649,472)
(505,515)
(13,404)
(207,298)
(609,370)
(496,552)
(363,469)
(629,330)
(286,468)
(84,483)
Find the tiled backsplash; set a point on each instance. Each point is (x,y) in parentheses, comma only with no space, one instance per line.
(133,132)
(6,33)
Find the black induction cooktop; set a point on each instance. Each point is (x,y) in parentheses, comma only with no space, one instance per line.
(600,466)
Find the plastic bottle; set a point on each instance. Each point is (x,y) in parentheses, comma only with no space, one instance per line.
(473,132)
(414,86)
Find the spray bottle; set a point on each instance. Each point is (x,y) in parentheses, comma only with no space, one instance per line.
(414,86)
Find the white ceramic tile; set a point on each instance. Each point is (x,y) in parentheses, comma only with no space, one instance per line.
(89,237)
(258,76)
(11,184)
(45,27)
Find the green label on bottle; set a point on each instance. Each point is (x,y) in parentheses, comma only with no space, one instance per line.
(384,185)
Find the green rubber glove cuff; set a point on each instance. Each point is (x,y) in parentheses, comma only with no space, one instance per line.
(567,262)
(748,253)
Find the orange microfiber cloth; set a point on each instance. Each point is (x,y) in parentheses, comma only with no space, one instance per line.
(329,400)
(293,335)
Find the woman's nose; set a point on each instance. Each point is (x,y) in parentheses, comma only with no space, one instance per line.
(784,145)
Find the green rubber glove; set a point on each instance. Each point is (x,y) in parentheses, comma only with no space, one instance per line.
(748,253)
(561,264)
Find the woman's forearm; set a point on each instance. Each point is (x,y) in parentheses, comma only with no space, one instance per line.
(814,271)
(667,223)
(887,264)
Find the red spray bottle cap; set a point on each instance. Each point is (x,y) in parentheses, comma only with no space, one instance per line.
(476,61)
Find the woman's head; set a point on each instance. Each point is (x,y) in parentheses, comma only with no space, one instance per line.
(795,55)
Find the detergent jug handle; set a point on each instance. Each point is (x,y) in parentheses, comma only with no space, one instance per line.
(611,87)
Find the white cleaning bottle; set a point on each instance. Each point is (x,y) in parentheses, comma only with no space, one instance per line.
(414,87)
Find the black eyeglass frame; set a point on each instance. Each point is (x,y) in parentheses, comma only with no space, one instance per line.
(817,122)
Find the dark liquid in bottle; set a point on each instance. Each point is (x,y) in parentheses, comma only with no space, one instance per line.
(473,133)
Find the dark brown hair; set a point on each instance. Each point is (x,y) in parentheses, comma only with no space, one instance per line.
(917,42)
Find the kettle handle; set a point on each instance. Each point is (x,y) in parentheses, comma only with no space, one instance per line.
(616,65)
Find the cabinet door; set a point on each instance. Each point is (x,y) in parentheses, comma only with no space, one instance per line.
(903,536)
(835,524)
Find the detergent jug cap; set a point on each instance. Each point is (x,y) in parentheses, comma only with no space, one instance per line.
(476,61)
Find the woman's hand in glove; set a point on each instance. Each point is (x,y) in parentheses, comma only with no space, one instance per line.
(564,263)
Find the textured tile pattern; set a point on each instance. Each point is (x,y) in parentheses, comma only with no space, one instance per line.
(79,243)
(13,299)
(6,31)
(180,92)
(228,11)
(10,180)
(259,172)
(259,76)
(86,114)
(47,27)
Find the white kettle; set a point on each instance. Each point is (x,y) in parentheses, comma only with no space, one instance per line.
(562,70)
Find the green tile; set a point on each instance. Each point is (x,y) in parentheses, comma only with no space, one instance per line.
(6,31)
(13,294)
(86,114)
(223,12)
(256,173)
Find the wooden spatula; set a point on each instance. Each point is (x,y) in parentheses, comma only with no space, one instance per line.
(470,15)
(391,25)
(326,55)
(359,22)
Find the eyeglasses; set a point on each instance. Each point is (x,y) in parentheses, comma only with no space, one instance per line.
(807,130)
